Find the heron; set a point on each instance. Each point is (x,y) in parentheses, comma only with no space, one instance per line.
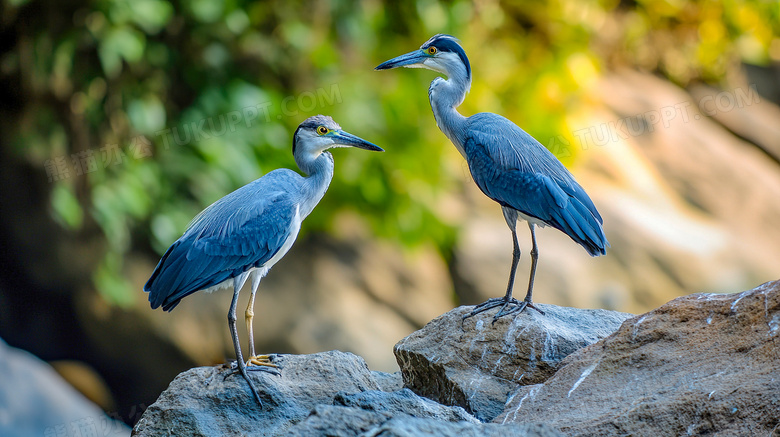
(507,164)
(242,235)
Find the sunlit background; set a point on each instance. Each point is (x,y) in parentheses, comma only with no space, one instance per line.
(121,120)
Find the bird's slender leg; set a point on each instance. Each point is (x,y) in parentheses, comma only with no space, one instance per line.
(505,302)
(528,301)
(534,260)
(255,360)
(515,261)
(250,314)
(511,220)
(238,282)
(508,299)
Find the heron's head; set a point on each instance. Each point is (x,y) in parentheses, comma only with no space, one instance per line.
(441,53)
(319,133)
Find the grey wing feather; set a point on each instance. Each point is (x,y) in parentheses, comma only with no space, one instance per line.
(240,231)
(515,170)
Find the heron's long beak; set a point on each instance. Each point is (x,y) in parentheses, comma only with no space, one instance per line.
(349,140)
(410,60)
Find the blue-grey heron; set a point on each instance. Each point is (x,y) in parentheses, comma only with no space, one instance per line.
(507,164)
(245,233)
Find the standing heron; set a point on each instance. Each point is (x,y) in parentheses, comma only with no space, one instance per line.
(507,164)
(245,233)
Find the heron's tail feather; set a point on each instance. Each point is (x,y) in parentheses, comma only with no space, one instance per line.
(160,285)
(184,270)
(168,284)
(581,225)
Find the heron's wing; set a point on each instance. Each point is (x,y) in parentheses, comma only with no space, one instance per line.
(513,169)
(242,230)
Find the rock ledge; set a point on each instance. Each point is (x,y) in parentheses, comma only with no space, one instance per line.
(704,364)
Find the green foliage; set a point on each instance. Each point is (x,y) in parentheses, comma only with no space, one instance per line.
(66,207)
(179,103)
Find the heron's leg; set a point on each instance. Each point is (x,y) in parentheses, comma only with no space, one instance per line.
(528,301)
(508,299)
(515,261)
(250,314)
(238,282)
(254,360)
(511,220)
(534,260)
(508,304)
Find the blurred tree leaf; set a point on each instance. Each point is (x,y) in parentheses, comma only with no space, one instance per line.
(118,44)
(66,207)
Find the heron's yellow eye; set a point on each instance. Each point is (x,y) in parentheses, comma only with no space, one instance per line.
(322,130)
(431,50)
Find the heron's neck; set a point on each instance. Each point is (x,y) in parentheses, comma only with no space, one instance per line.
(446,95)
(320,171)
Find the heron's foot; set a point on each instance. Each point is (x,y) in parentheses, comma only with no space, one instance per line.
(508,306)
(238,367)
(261,360)
(491,303)
(516,307)
(263,363)
(270,367)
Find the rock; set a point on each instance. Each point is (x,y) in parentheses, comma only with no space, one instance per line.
(358,413)
(329,420)
(700,365)
(346,421)
(704,364)
(34,400)
(409,427)
(475,364)
(404,402)
(206,401)
(331,393)
(388,381)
